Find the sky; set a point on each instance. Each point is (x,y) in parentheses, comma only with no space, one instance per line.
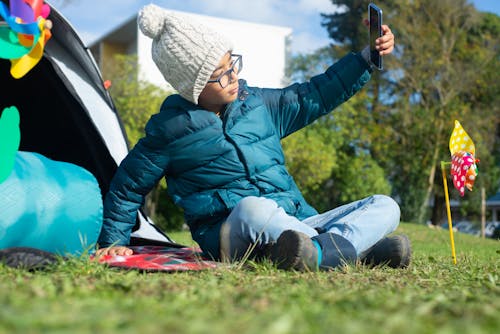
(94,18)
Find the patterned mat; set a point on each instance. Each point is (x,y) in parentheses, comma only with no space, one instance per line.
(158,258)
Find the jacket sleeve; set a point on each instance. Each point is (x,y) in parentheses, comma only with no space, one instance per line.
(138,173)
(298,105)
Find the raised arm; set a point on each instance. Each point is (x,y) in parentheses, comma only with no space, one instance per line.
(298,105)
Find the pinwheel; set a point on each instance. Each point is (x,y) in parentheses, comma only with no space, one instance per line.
(23,37)
(463,162)
(463,171)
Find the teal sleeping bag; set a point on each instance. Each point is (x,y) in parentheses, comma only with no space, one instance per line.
(50,205)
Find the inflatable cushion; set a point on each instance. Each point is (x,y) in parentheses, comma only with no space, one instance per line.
(50,205)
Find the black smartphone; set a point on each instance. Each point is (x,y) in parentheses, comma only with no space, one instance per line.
(375,19)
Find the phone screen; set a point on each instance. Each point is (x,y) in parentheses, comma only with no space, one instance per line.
(375,18)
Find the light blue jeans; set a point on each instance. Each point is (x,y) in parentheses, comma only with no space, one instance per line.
(256,221)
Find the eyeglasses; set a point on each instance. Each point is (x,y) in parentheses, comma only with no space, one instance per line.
(225,78)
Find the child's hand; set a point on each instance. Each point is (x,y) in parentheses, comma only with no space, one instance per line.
(385,44)
(115,250)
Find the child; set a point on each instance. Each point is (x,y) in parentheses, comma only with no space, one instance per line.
(217,143)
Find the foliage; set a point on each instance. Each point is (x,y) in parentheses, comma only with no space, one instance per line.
(344,25)
(361,178)
(432,296)
(304,66)
(136,101)
(311,160)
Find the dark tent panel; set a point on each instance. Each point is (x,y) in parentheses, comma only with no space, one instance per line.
(54,123)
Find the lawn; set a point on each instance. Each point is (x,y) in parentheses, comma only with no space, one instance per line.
(432,296)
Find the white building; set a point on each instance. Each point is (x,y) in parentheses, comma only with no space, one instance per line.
(264,49)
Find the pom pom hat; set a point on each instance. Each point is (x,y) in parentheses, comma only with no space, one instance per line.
(185,52)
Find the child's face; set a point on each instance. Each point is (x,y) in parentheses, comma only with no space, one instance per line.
(213,97)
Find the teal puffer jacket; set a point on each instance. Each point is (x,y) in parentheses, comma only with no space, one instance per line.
(211,163)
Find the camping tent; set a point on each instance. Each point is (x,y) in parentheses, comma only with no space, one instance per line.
(68,115)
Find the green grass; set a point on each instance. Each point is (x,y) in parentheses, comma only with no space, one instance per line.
(432,296)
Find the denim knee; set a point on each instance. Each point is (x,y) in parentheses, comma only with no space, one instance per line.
(253,211)
(246,226)
(391,210)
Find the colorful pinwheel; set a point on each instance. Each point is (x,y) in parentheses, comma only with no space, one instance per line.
(463,162)
(463,171)
(25,34)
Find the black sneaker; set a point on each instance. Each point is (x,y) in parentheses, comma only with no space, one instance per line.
(294,251)
(394,251)
(27,258)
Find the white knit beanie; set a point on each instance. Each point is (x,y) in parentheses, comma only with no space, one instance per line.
(185,52)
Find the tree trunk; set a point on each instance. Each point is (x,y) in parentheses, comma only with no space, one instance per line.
(430,187)
(438,210)
(432,174)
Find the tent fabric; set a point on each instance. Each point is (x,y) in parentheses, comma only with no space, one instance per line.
(67,114)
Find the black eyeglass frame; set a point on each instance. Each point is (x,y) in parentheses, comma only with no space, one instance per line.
(239,58)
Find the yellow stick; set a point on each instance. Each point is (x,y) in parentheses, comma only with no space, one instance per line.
(448,211)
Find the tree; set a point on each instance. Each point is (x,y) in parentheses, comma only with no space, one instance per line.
(344,25)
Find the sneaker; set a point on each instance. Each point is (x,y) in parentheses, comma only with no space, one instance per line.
(294,251)
(26,258)
(394,251)
(297,251)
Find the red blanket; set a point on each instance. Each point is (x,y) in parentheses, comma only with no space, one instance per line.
(158,258)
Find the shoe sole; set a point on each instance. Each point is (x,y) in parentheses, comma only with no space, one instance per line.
(394,251)
(405,250)
(295,251)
